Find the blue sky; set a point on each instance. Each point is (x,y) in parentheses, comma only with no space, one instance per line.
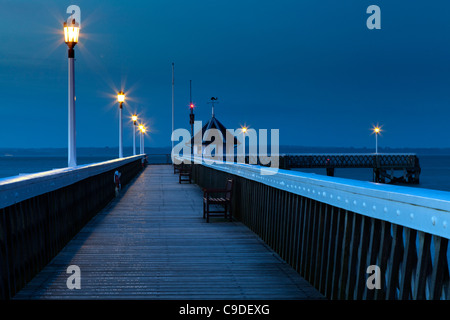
(309,68)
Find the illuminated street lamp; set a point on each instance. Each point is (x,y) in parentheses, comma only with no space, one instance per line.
(120,99)
(377,130)
(134,117)
(241,158)
(141,141)
(71,33)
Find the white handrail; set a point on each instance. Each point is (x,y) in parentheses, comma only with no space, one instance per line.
(417,208)
(22,187)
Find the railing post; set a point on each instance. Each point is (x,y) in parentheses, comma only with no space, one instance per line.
(409,263)
(364,254)
(383,258)
(344,261)
(329,268)
(395,259)
(440,265)
(352,256)
(371,258)
(423,266)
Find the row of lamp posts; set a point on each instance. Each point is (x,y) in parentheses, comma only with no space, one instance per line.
(71,33)
(134,118)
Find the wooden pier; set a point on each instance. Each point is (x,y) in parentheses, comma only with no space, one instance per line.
(151,242)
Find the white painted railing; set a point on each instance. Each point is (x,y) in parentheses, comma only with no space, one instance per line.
(22,187)
(331,230)
(41,212)
(417,208)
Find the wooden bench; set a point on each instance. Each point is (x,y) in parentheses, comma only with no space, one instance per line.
(224,200)
(185,173)
(176,168)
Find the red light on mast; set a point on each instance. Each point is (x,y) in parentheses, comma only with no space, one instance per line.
(192,106)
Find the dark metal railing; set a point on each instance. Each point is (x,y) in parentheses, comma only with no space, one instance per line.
(396,161)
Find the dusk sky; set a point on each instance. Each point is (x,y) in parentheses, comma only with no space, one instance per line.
(310,68)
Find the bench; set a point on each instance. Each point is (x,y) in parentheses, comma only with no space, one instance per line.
(210,198)
(176,168)
(185,173)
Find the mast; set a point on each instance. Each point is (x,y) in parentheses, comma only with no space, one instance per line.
(173,98)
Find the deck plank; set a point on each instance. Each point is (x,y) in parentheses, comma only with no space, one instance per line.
(152,243)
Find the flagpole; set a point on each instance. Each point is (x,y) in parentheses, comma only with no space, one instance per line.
(173,98)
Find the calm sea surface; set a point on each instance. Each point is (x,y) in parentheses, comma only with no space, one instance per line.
(435,169)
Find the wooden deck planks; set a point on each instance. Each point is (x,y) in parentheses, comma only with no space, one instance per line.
(152,243)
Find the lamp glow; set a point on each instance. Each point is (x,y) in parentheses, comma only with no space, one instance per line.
(142,129)
(377,130)
(121,97)
(71,34)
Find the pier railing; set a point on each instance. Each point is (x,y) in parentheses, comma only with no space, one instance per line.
(40,213)
(350,239)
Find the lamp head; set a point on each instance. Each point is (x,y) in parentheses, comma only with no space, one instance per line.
(377,130)
(71,33)
(134,118)
(121,97)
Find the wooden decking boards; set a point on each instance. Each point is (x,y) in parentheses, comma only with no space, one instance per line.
(152,243)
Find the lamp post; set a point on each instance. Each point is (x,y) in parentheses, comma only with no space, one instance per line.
(71,33)
(377,131)
(244,131)
(141,128)
(134,117)
(142,135)
(120,99)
